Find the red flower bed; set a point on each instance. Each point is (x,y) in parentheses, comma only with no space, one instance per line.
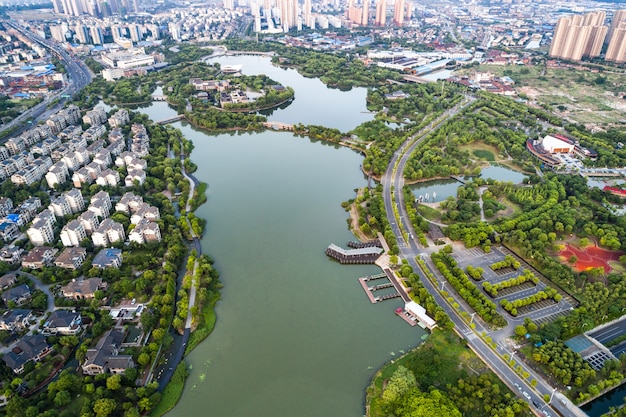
(591,257)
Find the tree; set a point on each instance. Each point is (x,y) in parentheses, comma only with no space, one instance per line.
(143,359)
(520,330)
(401,381)
(104,407)
(114,382)
(62,398)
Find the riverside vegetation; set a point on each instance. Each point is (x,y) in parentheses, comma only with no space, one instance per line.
(553,207)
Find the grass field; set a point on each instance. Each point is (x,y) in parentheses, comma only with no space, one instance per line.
(583,96)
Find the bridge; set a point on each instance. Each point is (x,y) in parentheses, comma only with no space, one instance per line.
(171,119)
(278,125)
(159,97)
(415,79)
(459,179)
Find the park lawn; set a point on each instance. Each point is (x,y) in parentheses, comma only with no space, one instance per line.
(483,151)
(428,213)
(511,210)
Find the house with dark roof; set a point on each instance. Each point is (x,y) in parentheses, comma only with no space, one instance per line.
(108,258)
(105,357)
(19,295)
(29,348)
(7,281)
(15,319)
(64,322)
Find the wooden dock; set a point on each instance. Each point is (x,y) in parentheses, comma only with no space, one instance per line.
(367,291)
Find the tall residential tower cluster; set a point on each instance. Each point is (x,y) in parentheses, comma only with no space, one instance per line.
(581,36)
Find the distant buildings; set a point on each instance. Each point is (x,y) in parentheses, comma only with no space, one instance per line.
(579,35)
(583,36)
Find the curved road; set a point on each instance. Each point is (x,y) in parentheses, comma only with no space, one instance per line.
(77,73)
(393,182)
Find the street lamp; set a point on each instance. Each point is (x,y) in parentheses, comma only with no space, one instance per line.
(552,395)
(443,284)
(472,318)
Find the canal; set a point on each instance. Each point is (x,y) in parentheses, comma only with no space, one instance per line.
(295,334)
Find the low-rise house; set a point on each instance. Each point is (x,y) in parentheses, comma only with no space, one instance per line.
(29,348)
(81,177)
(145,232)
(64,322)
(15,319)
(71,258)
(90,221)
(108,232)
(6,204)
(106,357)
(108,258)
(108,177)
(101,204)
(129,203)
(145,211)
(7,281)
(11,254)
(138,175)
(83,289)
(73,233)
(8,230)
(39,257)
(18,295)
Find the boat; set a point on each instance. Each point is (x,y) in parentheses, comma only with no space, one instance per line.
(231,69)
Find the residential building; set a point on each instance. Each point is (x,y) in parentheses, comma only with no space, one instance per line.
(18,295)
(90,221)
(83,289)
(129,203)
(106,357)
(145,232)
(8,230)
(15,319)
(6,204)
(62,322)
(29,348)
(108,232)
(579,36)
(108,258)
(73,233)
(7,281)
(101,204)
(71,258)
(39,257)
(60,206)
(75,199)
(11,254)
(145,211)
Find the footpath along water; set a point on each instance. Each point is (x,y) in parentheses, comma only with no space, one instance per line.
(295,335)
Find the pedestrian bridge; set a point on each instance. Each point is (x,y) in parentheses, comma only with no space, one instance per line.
(278,125)
(171,119)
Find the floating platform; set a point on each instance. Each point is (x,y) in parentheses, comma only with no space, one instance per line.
(367,255)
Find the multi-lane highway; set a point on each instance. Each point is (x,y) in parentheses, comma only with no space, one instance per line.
(78,76)
(393,182)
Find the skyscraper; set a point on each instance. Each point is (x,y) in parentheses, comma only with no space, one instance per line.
(398,12)
(381,12)
(578,36)
(616,52)
(365,14)
(618,17)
